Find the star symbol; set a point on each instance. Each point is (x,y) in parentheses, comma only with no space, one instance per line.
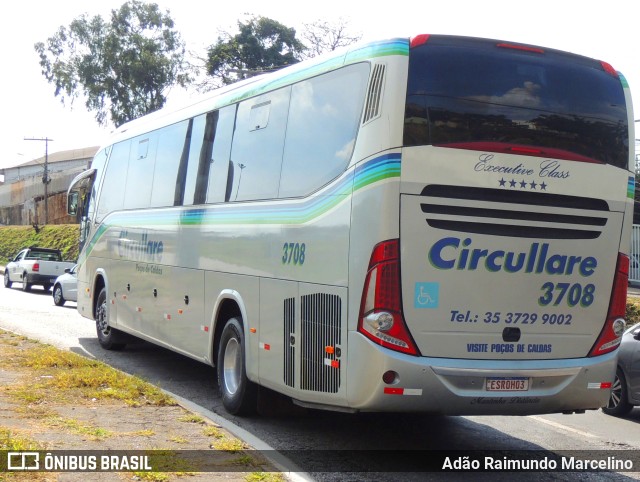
(512,183)
(543,187)
(502,182)
(533,185)
(523,184)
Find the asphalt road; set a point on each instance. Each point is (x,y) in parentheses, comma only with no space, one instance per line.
(334,446)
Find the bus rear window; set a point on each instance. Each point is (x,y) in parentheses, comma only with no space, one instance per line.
(472,94)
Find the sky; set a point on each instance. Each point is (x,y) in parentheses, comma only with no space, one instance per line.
(597,29)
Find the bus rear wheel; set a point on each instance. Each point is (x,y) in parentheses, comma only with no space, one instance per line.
(239,394)
(109,338)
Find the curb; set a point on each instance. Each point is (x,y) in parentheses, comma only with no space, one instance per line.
(288,468)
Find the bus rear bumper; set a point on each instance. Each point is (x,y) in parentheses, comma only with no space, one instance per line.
(459,387)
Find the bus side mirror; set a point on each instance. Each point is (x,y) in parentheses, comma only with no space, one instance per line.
(72,203)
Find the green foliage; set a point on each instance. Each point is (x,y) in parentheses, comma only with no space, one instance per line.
(122,67)
(632,315)
(59,236)
(261,45)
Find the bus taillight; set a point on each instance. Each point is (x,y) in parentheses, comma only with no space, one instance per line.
(611,334)
(381,317)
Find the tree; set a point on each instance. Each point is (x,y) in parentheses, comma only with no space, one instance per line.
(123,68)
(262,45)
(323,36)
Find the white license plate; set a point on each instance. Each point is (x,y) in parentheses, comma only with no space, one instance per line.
(507,384)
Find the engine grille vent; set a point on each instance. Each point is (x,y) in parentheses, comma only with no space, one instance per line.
(289,341)
(320,329)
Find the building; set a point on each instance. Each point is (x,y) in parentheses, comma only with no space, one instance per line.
(22,196)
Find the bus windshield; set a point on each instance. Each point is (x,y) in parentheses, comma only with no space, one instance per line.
(485,95)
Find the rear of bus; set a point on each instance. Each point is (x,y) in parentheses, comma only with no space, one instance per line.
(506,290)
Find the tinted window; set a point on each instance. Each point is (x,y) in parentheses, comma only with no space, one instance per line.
(323,123)
(98,163)
(112,192)
(140,171)
(463,91)
(257,146)
(196,145)
(219,158)
(171,144)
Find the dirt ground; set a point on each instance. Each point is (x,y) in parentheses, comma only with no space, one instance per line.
(34,416)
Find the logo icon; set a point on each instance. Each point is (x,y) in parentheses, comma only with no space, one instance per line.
(426,295)
(23,461)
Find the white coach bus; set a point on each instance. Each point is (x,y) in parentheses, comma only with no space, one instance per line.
(436,224)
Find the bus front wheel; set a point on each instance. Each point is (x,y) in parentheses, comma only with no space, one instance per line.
(109,338)
(239,394)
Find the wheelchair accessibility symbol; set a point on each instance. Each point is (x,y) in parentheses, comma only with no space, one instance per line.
(426,295)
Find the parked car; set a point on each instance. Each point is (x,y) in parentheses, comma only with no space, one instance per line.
(625,391)
(65,287)
(35,266)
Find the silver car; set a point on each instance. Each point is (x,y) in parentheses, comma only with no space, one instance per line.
(65,287)
(625,391)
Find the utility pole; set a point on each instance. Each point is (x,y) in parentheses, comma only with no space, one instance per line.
(45,176)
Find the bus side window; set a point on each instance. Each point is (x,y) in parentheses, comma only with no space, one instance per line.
(196,145)
(258,142)
(219,174)
(167,172)
(98,163)
(142,158)
(112,197)
(321,133)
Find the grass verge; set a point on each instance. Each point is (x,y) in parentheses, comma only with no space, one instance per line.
(53,400)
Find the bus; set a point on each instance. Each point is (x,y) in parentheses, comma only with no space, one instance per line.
(435,224)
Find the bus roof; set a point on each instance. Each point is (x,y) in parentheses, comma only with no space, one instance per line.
(254,86)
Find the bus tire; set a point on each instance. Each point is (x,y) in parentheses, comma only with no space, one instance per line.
(618,403)
(109,338)
(239,394)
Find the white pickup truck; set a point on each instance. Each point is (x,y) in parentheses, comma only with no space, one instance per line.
(35,266)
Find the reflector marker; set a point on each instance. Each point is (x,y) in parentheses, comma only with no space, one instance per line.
(252,330)
(167,316)
(139,309)
(180,312)
(204,328)
(402,391)
(124,297)
(329,349)
(332,363)
(265,346)
(598,385)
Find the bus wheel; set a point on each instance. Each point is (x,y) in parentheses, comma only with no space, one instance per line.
(239,394)
(619,400)
(109,338)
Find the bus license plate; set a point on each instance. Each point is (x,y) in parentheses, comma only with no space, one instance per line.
(507,384)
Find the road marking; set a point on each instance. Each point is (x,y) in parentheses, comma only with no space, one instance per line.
(563,427)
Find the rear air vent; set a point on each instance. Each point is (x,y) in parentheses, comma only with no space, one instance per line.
(374,96)
(320,350)
(513,213)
